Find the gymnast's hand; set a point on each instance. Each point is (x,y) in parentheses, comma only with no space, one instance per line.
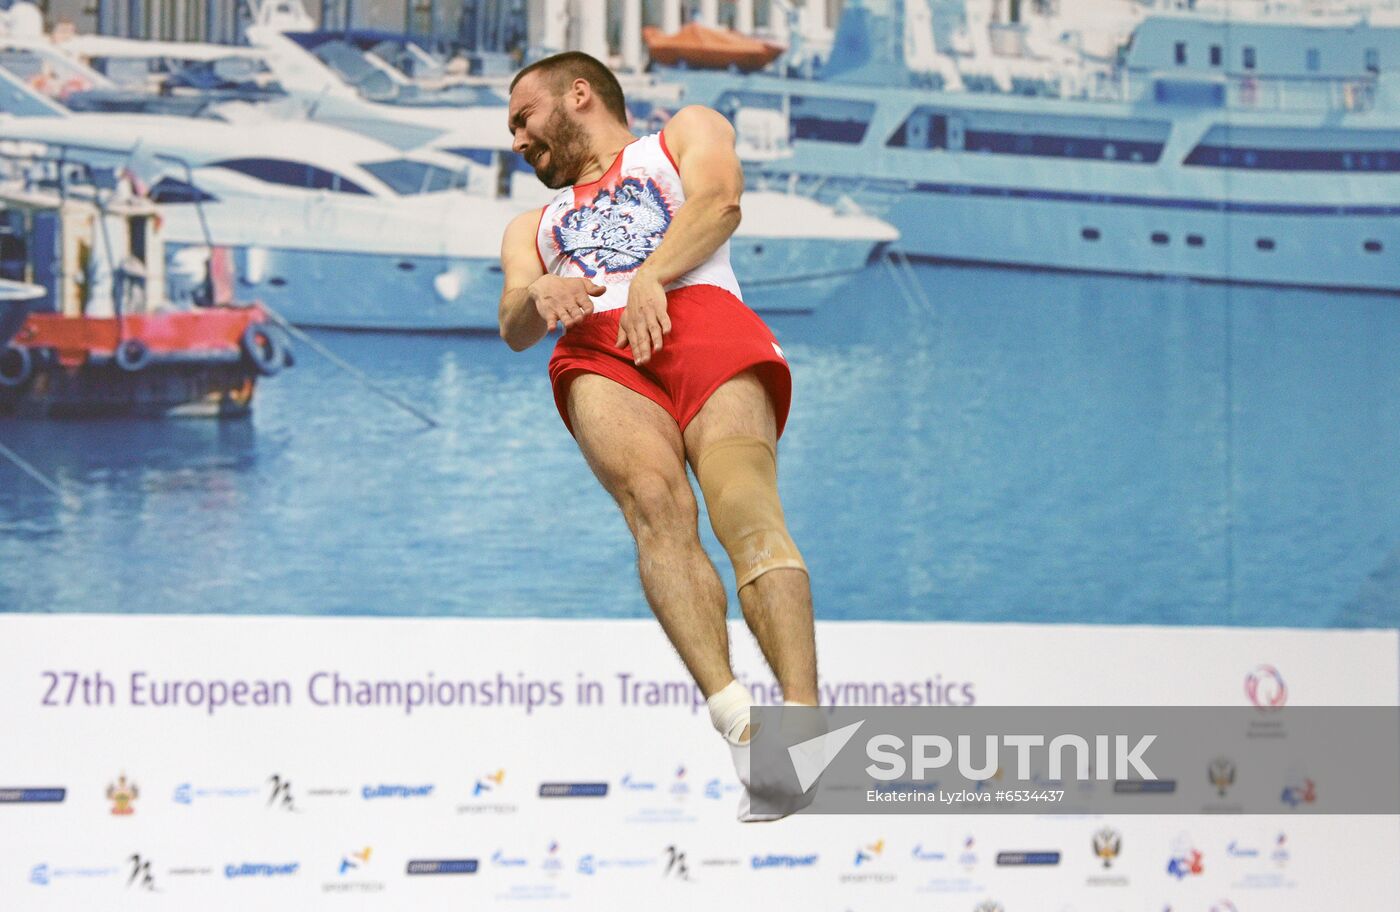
(563,300)
(644,321)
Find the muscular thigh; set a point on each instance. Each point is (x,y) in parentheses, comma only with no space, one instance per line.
(739,408)
(632,444)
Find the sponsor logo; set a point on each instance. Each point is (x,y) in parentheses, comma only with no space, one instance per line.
(869,856)
(989,905)
(501,860)
(573,789)
(1265,688)
(1223,905)
(1028,858)
(968,856)
(1186,860)
(280,793)
(260,869)
(552,863)
(488,783)
(1144,786)
(1222,774)
(484,790)
(371,792)
(679,787)
(1299,792)
(141,877)
(868,853)
(122,793)
(592,864)
(185,793)
(761,862)
(351,875)
(354,861)
(1108,843)
(1280,854)
(1235,850)
(443,866)
(630,783)
(44,874)
(920,854)
(718,789)
(32,795)
(677,868)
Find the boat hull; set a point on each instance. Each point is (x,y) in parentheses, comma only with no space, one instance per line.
(186,364)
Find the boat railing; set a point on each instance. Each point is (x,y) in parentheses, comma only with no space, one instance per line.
(68,168)
(68,171)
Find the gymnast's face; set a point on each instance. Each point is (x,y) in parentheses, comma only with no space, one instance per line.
(546,132)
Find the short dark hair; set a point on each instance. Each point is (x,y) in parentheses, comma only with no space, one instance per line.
(563,69)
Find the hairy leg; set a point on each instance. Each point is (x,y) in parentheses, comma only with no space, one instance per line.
(635,450)
(778,604)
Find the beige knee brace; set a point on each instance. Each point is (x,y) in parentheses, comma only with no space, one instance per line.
(739,479)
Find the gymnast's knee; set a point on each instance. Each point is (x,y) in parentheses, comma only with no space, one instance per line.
(739,480)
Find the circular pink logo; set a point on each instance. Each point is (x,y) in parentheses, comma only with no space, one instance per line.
(1265,688)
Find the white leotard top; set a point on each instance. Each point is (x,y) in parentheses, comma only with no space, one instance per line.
(605,229)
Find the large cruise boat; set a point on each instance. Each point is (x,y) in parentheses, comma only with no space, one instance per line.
(1243,149)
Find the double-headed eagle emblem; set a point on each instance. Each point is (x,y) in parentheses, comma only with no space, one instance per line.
(618,230)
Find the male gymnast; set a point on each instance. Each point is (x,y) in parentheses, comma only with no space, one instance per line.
(661,364)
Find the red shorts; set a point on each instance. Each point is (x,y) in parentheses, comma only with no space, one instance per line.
(713,337)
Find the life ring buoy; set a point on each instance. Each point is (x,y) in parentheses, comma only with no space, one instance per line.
(16,366)
(264,348)
(132,355)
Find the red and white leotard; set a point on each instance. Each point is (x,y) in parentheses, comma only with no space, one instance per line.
(603,230)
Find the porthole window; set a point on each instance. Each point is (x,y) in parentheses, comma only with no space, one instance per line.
(1195,240)
(1264,243)
(1160,237)
(1089,234)
(1373,246)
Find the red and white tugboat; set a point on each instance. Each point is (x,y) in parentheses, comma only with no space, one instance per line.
(88,326)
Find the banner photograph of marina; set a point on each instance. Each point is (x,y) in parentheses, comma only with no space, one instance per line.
(1092,307)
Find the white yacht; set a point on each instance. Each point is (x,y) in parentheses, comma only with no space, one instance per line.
(790,251)
(327,227)
(1246,149)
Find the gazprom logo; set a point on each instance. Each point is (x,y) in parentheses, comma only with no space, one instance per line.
(183,793)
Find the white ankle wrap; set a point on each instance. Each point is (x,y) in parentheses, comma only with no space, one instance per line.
(729,710)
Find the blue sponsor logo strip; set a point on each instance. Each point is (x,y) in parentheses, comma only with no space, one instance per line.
(444,866)
(573,789)
(32,795)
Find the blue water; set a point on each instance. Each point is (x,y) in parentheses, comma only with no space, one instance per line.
(1036,448)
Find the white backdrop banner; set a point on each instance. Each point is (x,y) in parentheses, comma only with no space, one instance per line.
(395,763)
